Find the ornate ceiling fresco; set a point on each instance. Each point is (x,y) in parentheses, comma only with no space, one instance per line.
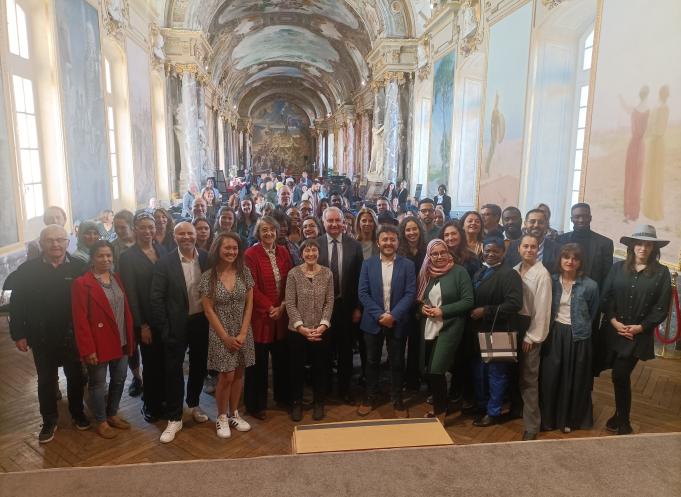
(313,50)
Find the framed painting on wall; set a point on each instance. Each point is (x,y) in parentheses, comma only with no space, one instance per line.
(442,116)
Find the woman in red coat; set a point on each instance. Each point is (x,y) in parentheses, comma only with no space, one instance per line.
(269,264)
(104,333)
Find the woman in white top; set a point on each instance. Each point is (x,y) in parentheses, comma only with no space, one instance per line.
(537,309)
(444,297)
(565,378)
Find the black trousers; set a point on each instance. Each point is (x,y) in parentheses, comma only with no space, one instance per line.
(134,360)
(342,337)
(47,359)
(197,342)
(395,345)
(153,375)
(256,380)
(413,370)
(300,350)
(621,380)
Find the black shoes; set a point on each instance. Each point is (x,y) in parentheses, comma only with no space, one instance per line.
(318,411)
(135,389)
(149,416)
(486,421)
(625,429)
(297,412)
(611,424)
(81,422)
(47,432)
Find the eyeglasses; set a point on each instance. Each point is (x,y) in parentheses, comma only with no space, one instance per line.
(55,241)
(438,255)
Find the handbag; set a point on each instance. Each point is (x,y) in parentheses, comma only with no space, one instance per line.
(497,345)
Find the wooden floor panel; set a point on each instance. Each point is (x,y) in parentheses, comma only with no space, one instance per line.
(656,408)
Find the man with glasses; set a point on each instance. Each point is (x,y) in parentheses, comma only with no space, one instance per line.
(427,216)
(305,208)
(40,319)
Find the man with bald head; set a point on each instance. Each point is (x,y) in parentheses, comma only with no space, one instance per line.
(40,319)
(177,312)
(52,215)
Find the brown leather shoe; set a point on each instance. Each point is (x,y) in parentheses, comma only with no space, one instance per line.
(365,407)
(104,430)
(118,422)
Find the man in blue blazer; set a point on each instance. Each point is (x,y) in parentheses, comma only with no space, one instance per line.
(387,289)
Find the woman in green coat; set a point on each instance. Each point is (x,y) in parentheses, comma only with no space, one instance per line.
(445,295)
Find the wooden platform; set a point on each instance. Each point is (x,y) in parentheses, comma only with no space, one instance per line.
(656,409)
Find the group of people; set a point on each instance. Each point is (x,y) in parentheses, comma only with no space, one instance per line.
(306,282)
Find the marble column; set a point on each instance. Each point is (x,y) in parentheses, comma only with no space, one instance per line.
(187,132)
(222,145)
(365,149)
(350,147)
(392,137)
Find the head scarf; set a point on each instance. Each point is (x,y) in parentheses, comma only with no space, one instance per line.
(428,271)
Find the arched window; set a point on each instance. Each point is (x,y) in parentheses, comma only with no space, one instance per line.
(582,99)
(25,112)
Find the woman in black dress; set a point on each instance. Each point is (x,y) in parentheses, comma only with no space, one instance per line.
(635,301)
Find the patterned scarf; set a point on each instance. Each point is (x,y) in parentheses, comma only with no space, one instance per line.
(428,271)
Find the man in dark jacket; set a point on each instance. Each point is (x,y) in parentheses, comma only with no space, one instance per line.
(177,312)
(597,249)
(40,318)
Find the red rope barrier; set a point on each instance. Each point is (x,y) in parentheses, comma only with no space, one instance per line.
(677,335)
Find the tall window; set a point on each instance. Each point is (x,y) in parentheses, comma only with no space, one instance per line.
(111,126)
(17,30)
(582,101)
(25,112)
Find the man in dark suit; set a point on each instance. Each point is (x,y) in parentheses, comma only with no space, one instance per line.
(597,249)
(536,225)
(387,289)
(40,318)
(177,312)
(343,255)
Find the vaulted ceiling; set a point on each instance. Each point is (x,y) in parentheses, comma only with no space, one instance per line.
(309,52)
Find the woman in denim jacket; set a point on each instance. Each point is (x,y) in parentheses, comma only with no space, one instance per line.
(565,376)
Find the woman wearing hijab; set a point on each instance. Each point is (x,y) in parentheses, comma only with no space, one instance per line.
(445,295)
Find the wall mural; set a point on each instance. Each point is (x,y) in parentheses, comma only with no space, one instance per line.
(83,108)
(8,208)
(634,161)
(504,119)
(281,138)
(140,120)
(439,160)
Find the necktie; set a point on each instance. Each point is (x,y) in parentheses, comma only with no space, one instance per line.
(334,268)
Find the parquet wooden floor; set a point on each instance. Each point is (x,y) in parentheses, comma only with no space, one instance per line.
(656,409)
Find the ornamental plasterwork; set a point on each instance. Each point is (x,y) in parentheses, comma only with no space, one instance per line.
(156,47)
(115,18)
(550,4)
(469,24)
(423,64)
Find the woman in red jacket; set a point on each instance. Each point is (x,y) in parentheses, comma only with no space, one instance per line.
(104,333)
(269,264)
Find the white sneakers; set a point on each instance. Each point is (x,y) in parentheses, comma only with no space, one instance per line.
(222,427)
(238,423)
(171,430)
(198,415)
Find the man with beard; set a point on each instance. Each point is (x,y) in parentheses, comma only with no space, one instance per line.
(536,225)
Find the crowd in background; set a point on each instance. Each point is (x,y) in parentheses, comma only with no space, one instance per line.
(290,279)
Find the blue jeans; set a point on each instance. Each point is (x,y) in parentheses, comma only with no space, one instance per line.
(491,382)
(101,405)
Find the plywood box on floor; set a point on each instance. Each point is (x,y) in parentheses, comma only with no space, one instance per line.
(369,434)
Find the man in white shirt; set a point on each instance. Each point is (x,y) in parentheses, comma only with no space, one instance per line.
(387,289)
(177,312)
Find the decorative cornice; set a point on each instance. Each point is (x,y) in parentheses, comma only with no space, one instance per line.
(393,55)
(115,18)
